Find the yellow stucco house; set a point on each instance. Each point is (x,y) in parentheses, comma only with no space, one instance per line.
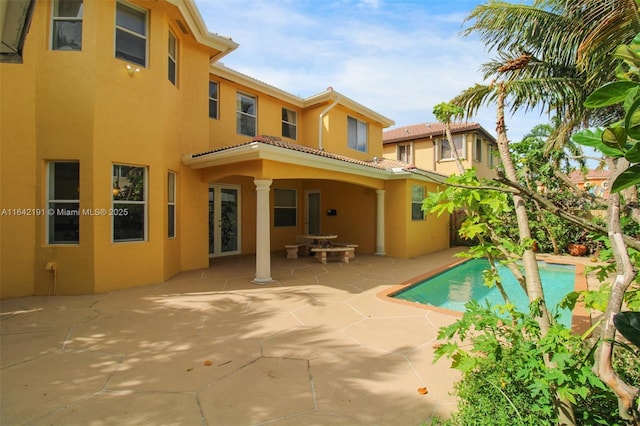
(130,153)
(426,146)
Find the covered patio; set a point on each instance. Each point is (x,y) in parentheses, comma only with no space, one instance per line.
(315,346)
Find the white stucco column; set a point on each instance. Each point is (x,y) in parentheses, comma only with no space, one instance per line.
(380,222)
(263,232)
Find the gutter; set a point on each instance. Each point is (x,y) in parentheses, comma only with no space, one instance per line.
(320,119)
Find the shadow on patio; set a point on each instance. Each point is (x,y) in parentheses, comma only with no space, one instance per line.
(209,347)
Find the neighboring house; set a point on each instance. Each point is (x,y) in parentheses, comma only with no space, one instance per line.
(130,153)
(595,181)
(426,146)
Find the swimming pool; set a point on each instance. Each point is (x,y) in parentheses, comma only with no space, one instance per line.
(453,288)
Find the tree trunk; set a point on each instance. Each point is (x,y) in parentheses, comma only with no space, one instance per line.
(564,408)
(603,367)
(447,130)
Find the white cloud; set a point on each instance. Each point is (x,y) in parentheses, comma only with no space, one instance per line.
(397,58)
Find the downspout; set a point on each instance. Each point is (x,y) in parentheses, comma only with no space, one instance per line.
(321,117)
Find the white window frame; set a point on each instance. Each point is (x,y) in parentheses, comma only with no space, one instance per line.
(172,58)
(492,159)
(215,99)
(57,18)
(120,208)
(276,207)
(405,153)
(477,150)
(289,121)
(127,31)
(416,205)
(53,205)
(246,115)
(172,178)
(357,134)
(462,149)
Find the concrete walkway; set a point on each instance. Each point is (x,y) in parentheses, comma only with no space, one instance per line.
(208,347)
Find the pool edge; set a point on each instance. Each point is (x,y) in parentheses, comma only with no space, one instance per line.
(580,320)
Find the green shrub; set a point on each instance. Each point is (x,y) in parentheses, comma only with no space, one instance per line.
(506,382)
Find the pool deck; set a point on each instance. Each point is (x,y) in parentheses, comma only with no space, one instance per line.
(316,347)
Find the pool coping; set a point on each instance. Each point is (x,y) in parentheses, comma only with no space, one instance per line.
(580,320)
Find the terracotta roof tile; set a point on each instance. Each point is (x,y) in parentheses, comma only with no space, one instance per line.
(378,163)
(577,176)
(422,130)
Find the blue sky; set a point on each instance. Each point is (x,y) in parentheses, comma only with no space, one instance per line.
(396,57)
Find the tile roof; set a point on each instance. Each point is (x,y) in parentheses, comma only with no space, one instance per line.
(378,163)
(422,130)
(578,176)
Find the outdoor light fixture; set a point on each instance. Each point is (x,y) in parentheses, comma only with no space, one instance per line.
(116,188)
(116,183)
(132,70)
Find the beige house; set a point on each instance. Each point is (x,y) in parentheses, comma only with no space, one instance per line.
(425,145)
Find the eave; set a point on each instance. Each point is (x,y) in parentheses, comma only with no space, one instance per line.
(189,11)
(261,151)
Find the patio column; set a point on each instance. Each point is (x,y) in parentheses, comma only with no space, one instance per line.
(263,232)
(380,222)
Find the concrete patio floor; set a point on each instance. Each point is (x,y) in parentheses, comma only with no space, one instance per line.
(208,347)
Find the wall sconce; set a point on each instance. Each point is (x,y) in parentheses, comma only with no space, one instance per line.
(116,183)
(132,70)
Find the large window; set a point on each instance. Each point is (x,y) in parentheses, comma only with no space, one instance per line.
(446,151)
(213,100)
(285,207)
(171,204)
(357,134)
(417,196)
(491,154)
(404,153)
(63,202)
(129,213)
(289,126)
(173,59)
(66,26)
(477,154)
(246,114)
(131,34)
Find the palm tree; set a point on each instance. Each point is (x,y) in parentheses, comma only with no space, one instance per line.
(444,112)
(566,45)
(553,53)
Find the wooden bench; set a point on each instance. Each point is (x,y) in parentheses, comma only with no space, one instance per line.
(293,249)
(345,253)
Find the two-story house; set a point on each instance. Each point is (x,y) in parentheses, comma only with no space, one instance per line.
(427,147)
(131,153)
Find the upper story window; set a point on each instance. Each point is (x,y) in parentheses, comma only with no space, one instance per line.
(129,190)
(131,34)
(446,151)
(417,196)
(63,202)
(285,207)
(173,59)
(213,100)
(246,114)
(66,25)
(492,155)
(289,126)
(477,151)
(404,153)
(357,134)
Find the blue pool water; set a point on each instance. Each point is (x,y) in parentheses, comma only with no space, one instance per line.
(456,286)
